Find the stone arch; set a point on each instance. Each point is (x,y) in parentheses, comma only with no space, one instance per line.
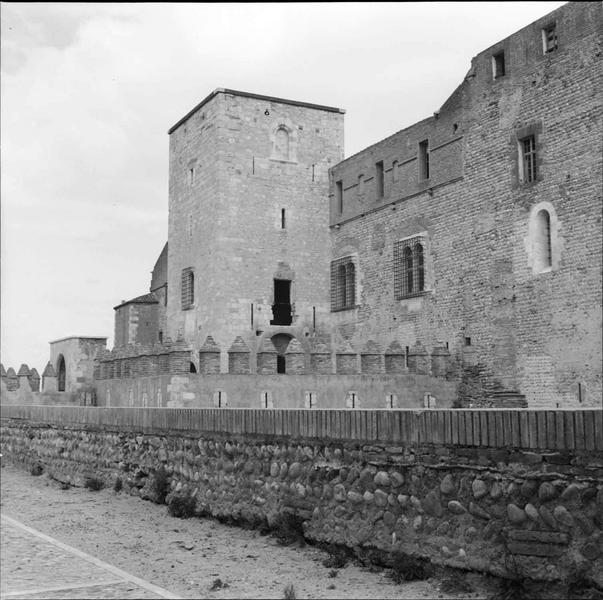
(281,342)
(61,373)
(543,243)
(281,143)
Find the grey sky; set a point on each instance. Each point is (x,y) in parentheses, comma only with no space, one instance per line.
(89,90)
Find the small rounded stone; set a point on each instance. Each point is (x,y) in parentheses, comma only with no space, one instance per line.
(368,497)
(389,519)
(403,500)
(295,470)
(563,516)
(496,491)
(480,489)
(516,515)
(380,498)
(447,485)
(355,497)
(456,507)
(382,479)
(531,511)
(397,479)
(546,491)
(417,523)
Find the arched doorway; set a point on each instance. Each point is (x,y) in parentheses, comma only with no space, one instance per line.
(280,342)
(61,373)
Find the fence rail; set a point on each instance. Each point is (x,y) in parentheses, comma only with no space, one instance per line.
(493,428)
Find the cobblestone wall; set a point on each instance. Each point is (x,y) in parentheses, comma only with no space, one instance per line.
(462,506)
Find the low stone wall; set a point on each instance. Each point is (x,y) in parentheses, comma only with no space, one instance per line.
(464,505)
(290,391)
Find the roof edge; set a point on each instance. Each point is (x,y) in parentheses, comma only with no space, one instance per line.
(257,97)
(79,337)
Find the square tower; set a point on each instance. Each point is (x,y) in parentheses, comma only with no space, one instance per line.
(248,218)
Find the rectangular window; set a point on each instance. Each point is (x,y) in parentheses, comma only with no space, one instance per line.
(409,268)
(283,220)
(424,160)
(549,38)
(187,288)
(191,176)
(379,179)
(498,65)
(527,163)
(343,284)
(339,196)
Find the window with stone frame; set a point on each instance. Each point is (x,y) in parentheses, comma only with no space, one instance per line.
(527,159)
(343,284)
(549,38)
(409,267)
(187,288)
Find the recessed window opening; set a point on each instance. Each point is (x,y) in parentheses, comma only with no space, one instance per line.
(191,176)
(549,38)
(528,159)
(498,65)
(409,268)
(580,392)
(219,399)
(542,248)
(361,184)
(62,373)
(265,402)
(192,368)
(281,309)
(343,284)
(395,171)
(406,356)
(161,337)
(467,341)
(379,179)
(281,364)
(390,401)
(424,159)
(281,143)
(283,219)
(187,288)
(339,196)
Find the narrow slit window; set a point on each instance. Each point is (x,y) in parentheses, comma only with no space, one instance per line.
(379,179)
(191,176)
(339,196)
(283,219)
(544,254)
(424,159)
(187,288)
(498,65)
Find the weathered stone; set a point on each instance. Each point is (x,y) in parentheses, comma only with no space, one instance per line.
(535,549)
(403,500)
(492,529)
(529,487)
(480,489)
(431,505)
(283,471)
(584,523)
(368,497)
(366,475)
(392,500)
(355,497)
(274,469)
(339,492)
(571,492)
(327,492)
(397,479)
(416,504)
(417,523)
(446,552)
(301,490)
(477,511)
(380,498)
(563,516)
(496,491)
(545,537)
(456,507)
(295,470)
(470,533)
(516,515)
(547,516)
(531,511)
(447,485)
(443,528)
(382,479)
(546,491)
(591,550)
(389,519)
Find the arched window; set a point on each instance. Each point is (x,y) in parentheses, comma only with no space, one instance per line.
(408,271)
(281,144)
(409,267)
(418,255)
(343,284)
(350,284)
(62,373)
(543,255)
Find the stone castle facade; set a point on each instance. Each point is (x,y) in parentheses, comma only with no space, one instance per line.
(469,244)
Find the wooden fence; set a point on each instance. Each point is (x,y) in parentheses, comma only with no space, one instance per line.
(493,428)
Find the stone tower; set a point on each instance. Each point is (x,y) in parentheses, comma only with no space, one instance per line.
(248,219)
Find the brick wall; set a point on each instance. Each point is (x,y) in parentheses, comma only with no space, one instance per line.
(539,333)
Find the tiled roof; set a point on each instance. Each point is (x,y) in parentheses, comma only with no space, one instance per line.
(149,298)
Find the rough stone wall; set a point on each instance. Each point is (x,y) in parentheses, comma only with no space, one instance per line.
(472,508)
(538,333)
(136,324)
(225,162)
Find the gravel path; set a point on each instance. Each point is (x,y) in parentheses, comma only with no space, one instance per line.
(185,557)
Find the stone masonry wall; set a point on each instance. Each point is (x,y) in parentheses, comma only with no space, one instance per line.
(460,506)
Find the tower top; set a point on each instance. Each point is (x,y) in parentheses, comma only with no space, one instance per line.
(257,97)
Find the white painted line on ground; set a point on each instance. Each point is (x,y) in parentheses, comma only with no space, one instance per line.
(95,561)
(60,588)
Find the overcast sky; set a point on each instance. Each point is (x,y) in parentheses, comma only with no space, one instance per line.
(90,90)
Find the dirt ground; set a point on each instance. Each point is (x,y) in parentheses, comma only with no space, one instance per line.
(187,556)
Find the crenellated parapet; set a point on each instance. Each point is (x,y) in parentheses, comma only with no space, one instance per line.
(143,360)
